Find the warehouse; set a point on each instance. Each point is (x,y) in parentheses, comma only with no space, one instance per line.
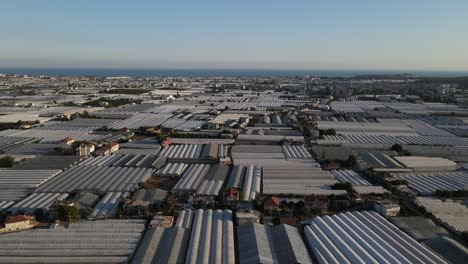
(427,164)
(144,196)
(449,248)
(121,160)
(360,185)
(172,170)
(84,200)
(237,176)
(17,184)
(214,181)
(91,123)
(108,206)
(387,141)
(147,143)
(375,128)
(298,178)
(37,201)
(351,177)
(194,141)
(451,214)
(277,244)
(7,143)
(267,139)
(51,135)
(92,178)
(248,178)
(34,149)
(112,113)
(265,154)
(429,182)
(187,151)
(183,124)
(163,245)
(425,129)
(145,146)
(378,160)
(222,151)
(355,106)
(296,152)
(192,178)
(250,153)
(141,120)
(47,163)
(210,151)
(110,241)
(252,182)
(211,238)
(185,218)
(364,237)
(419,227)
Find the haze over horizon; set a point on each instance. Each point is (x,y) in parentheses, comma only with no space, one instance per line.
(277,35)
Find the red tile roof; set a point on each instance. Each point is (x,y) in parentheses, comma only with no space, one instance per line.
(18,218)
(275,200)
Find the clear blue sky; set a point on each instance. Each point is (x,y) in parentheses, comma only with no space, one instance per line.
(270,34)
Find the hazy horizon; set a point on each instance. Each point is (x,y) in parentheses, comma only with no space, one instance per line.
(113,72)
(275,35)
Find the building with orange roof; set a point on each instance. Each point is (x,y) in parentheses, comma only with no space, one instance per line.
(19,222)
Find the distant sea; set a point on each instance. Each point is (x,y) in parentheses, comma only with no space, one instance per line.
(217,72)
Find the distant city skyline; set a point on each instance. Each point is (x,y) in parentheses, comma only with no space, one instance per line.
(278,35)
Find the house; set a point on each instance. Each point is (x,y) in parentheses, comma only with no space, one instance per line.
(19,222)
(85,149)
(231,194)
(162,221)
(166,142)
(332,166)
(108,149)
(271,205)
(67,141)
(244,218)
(386,208)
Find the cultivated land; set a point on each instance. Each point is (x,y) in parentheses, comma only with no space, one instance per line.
(366,169)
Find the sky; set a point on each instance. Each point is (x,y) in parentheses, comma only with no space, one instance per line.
(241,34)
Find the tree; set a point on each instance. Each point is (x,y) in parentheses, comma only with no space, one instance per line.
(352,160)
(84,212)
(397,148)
(41,215)
(343,186)
(332,202)
(66,212)
(300,209)
(257,202)
(330,132)
(464,236)
(7,162)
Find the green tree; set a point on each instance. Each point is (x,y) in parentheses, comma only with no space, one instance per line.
(7,162)
(41,215)
(332,202)
(352,160)
(397,148)
(66,212)
(330,132)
